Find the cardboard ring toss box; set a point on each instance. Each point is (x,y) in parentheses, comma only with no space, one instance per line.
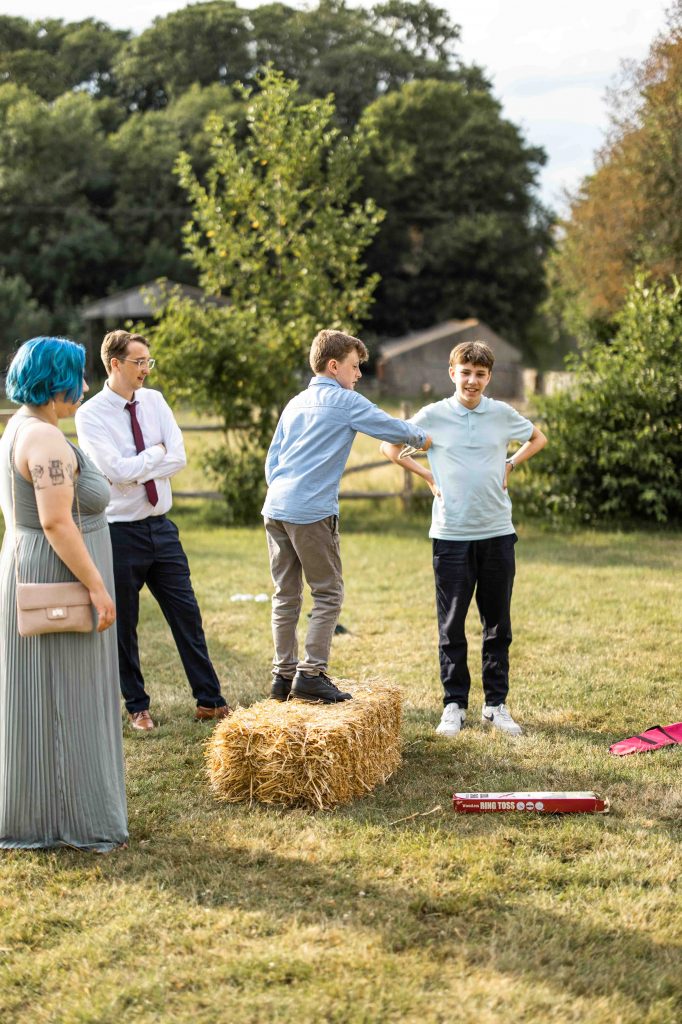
(539,803)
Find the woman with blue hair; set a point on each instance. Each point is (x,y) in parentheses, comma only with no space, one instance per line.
(61,758)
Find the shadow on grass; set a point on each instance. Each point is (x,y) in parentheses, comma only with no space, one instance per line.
(482,925)
(501,922)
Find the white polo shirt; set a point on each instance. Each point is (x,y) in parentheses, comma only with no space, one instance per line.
(467,459)
(105,434)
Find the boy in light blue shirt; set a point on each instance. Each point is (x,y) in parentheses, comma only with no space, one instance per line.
(471,529)
(303,470)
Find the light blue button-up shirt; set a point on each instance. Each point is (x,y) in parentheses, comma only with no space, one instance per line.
(311,445)
(466,457)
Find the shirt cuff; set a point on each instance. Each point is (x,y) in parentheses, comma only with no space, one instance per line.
(421,436)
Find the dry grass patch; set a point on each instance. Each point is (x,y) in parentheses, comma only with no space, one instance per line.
(222,912)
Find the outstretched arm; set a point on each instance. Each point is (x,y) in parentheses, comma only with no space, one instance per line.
(392,452)
(370,419)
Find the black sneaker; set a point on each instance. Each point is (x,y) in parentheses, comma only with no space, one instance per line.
(281,687)
(317,688)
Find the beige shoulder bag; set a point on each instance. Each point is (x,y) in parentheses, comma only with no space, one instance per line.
(50,607)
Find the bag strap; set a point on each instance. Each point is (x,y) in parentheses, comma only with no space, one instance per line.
(12,469)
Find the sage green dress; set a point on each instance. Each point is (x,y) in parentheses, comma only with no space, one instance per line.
(61,755)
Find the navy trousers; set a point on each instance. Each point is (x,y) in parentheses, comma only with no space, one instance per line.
(149,551)
(486,567)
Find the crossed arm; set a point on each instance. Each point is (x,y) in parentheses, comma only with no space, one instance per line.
(163,459)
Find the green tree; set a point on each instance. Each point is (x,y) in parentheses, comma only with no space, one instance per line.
(465,234)
(626,216)
(54,176)
(203,43)
(92,125)
(51,57)
(273,229)
(357,53)
(20,316)
(615,448)
(144,151)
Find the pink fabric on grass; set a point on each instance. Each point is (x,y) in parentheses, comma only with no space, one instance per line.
(651,739)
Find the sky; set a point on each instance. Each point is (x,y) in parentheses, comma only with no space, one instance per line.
(550,62)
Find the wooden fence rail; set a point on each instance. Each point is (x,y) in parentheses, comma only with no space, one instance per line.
(405,494)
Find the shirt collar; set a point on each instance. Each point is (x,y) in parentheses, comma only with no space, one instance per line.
(324,380)
(462,410)
(117,399)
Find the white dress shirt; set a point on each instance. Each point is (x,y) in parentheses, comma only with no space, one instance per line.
(105,433)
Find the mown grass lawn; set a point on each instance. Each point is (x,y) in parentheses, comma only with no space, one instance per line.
(248,914)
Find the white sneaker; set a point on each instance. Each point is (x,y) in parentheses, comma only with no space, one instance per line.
(452,720)
(500,718)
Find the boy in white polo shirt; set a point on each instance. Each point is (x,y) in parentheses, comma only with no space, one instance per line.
(472,532)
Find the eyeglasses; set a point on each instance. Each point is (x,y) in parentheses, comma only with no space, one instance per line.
(147,364)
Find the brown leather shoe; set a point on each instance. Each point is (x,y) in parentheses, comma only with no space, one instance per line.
(141,720)
(206,714)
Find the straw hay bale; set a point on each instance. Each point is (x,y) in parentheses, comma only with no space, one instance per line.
(316,755)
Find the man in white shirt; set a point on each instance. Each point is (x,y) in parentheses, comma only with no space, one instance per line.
(130,433)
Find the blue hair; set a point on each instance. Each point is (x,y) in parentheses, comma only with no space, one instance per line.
(43,368)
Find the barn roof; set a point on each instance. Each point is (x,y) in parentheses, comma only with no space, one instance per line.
(134,303)
(504,351)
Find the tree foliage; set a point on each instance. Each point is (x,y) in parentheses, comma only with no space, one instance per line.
(50,57)
(628,214)
(357,53)
(53,172)
(615,448)
(274,229)
(465,234)
(92,121)
(148,207)
(20,316)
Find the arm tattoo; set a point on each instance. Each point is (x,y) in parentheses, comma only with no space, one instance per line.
(55,468)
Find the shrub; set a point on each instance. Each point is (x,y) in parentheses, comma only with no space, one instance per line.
(615,439)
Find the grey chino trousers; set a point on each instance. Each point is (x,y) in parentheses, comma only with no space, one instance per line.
(310,550)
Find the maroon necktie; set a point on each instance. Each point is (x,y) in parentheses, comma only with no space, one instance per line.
(149,486)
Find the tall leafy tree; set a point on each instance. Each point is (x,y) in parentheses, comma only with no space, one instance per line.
(51,57)
(144,151)
(464,233)
(91,123)
(84,210)
(627,215)
(54,174)
(203,43)
(357,53)
(20,316)
(274,229)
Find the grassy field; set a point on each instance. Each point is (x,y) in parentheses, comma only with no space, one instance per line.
(223,913)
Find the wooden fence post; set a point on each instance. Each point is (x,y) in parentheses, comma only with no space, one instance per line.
(408,483)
